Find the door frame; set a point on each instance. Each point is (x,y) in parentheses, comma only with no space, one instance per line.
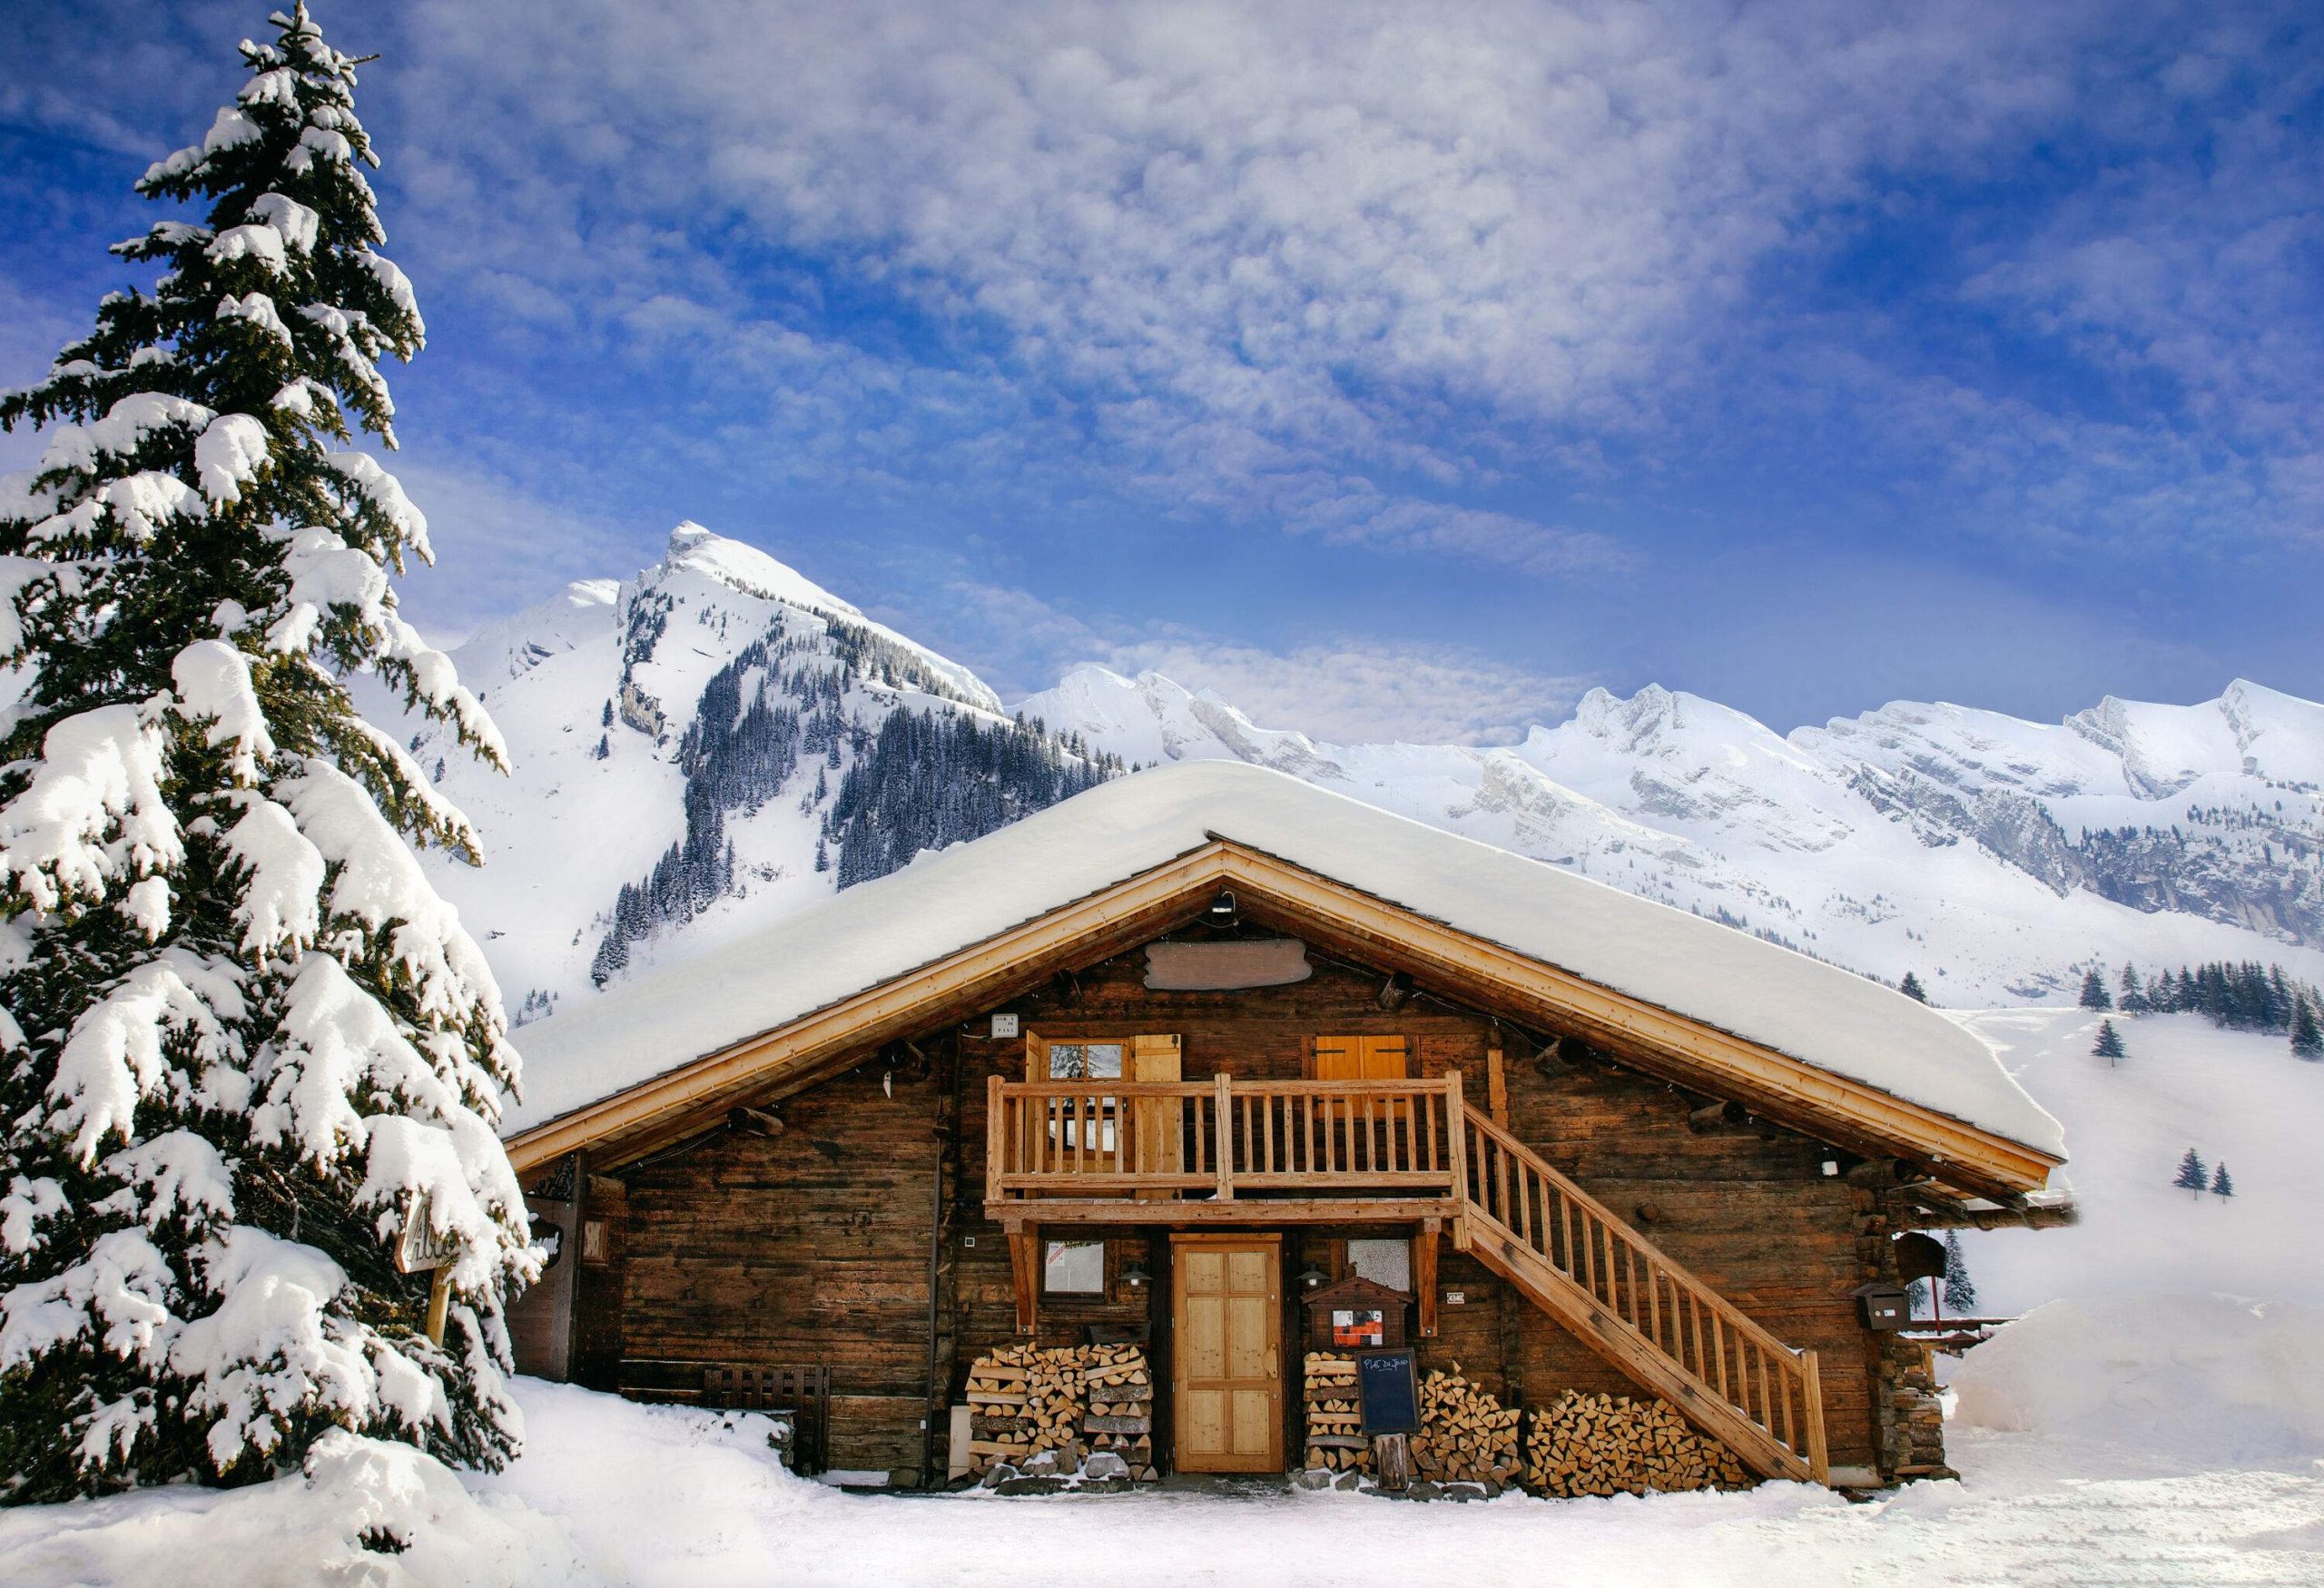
(1270,1242)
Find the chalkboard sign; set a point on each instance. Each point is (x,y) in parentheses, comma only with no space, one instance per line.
(1388,1390)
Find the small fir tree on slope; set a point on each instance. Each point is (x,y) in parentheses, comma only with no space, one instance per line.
(2306,1030)
(243,1037)
(1960,1290)
(2109,1046)
(2093,991)
(2223,1183)
(1911,987)
(2192,1174)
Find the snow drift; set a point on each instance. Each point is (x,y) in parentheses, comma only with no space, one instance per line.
(2202,1378)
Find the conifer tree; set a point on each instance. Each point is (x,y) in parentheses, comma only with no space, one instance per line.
(2109,1042)
(2307,1030)
(242,1040)
(2191,1176)
(1960,1290)
(2093,991)
(2133,998)
(1911,987)
(2223,1183)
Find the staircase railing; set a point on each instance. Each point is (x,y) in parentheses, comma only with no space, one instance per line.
(1623,1294)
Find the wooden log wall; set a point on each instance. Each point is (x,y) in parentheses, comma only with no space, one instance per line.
(806,1246)
(813,1245)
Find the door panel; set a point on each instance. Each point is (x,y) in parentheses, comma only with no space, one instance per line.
(1229,1370)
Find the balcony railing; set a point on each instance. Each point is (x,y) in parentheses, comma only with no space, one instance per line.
(1222,1139)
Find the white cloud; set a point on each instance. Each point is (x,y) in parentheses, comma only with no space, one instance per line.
(1328,266)
(1336,689)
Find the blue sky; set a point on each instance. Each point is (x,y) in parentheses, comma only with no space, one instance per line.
(1398,371)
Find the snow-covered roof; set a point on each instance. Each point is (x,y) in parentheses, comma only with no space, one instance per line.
(948,902)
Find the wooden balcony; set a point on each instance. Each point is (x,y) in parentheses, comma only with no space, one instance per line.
(1222,1151)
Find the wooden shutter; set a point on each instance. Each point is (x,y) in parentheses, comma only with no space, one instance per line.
(1155,1138)
(1037,1056)
(1360,1059)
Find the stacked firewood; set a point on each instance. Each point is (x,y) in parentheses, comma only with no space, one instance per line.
(1335,1441)
(1120,1391)
(1466,1435)
(1612,1444)
(1064,1403)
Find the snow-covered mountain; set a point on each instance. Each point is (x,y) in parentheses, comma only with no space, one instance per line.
(713,742)
(1994,857)
(690,744)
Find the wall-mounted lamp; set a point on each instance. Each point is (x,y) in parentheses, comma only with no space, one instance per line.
(1311,1277)
(1135,1276)
(1223,911)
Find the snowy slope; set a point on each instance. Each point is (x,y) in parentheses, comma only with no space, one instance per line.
(2234,1097)
(1994,857)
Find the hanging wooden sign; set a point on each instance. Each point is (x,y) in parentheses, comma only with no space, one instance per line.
(421,1249)
(1224,967)
(420,1246)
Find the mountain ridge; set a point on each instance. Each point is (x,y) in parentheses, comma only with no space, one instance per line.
(1996,857)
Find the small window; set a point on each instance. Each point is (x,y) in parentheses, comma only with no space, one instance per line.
(1086,1060)
(1074,1267)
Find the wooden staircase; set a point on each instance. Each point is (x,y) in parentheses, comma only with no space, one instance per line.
(1617,1292)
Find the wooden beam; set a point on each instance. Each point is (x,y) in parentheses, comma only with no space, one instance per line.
(1025,1274)
(1350,1211)
(1425,1274)
(1496,1086)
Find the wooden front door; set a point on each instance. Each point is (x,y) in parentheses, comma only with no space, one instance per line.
(1226,1315)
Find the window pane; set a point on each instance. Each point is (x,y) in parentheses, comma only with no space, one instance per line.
(1074,1267)
(1085,1060)
(1384,1262)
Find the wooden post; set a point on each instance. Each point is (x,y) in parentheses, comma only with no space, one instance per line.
(439,1297)
(1811,1389)
(1425,1275)
(1025,1272)
(995,1161)
(1392,1461)
(1496,1086)
(1223,1113)
(1456,1119)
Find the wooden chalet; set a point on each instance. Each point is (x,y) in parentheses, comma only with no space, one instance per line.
(1153,1064)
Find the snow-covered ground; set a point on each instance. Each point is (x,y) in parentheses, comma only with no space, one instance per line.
(616,1493)
(2159,1419)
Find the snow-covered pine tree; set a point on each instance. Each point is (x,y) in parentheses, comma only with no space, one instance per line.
(2307,1030)
(2093,991)
(2223,1183)
(1911,987)
(1960,1290)
(243,1041)
(2191,1175)
(2131,999)
(2109,1042)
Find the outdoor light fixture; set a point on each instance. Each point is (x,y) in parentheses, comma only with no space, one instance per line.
(1135,1276)
(1311,1277)
(1223,911)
